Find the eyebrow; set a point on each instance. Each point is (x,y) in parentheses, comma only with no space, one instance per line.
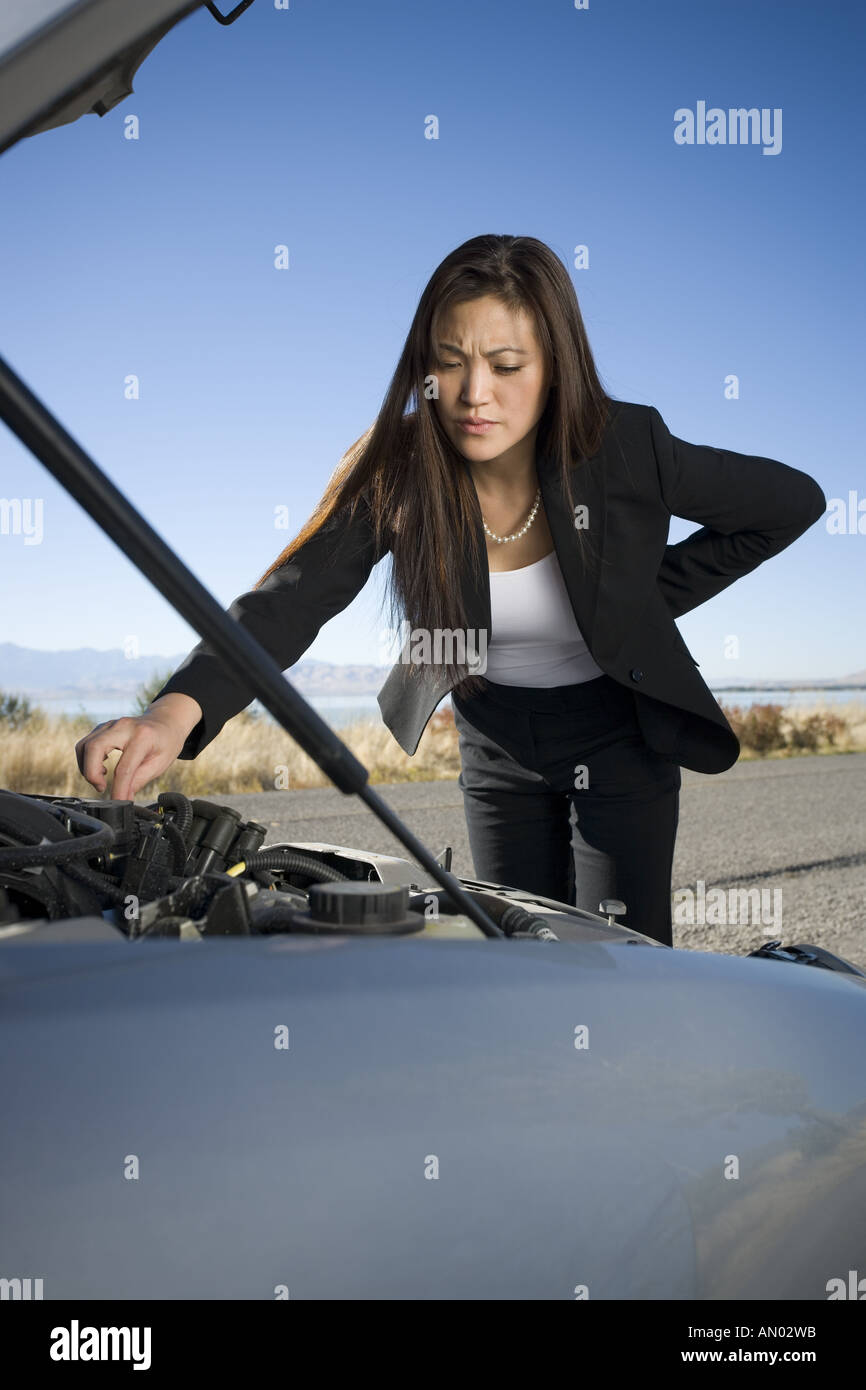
(492,353)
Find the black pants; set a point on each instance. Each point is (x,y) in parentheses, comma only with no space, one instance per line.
(563,797)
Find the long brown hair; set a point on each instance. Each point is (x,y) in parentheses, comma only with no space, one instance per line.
(422,501)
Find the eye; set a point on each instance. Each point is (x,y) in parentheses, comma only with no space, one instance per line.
(496,369)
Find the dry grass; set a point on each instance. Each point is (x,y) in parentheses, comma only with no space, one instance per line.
(254,755)
(249,755)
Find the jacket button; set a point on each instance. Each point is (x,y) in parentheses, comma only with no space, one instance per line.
(636,674)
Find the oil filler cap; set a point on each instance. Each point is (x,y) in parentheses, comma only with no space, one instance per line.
(363,909)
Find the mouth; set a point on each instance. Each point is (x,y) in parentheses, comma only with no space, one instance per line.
(476,426)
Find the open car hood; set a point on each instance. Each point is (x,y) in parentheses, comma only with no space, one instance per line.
(61,59)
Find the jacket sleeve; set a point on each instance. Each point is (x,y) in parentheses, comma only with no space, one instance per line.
(284,614)
(750,509)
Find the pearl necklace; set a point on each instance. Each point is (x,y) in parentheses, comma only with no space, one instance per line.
(524,528)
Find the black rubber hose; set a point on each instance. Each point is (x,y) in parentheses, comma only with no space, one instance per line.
(176,801)
(92,878)
(177,842)
(293,861)
(176,831)
(57,851)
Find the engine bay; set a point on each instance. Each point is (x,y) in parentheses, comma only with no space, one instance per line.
(192,869)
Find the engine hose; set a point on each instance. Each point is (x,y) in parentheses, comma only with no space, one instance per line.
(92,878)
(101,837)
(292,861)
(178,844)
(176,801)
(176,831)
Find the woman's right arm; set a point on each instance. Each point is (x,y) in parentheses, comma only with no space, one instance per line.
(284,614)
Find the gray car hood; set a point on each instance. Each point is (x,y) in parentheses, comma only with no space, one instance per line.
(61,59)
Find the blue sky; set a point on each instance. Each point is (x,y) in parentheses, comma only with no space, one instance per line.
(305,126)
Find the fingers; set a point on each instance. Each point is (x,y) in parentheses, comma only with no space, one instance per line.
(142,759)
(131,776)
(92,750)
(147,748)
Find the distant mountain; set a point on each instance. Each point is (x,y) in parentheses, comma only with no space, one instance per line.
(85,671)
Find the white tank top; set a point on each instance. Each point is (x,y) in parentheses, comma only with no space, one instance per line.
(536,639)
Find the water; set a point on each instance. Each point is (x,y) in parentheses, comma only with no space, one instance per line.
(781,696)
(337,710)
(341,710)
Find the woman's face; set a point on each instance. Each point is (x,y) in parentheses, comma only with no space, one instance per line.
(488,364)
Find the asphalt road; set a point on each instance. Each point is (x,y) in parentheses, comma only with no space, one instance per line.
(797,826)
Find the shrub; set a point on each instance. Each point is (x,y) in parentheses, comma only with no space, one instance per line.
(834,725)
(15,711)
(759,727)
(822,726)
(807,735)
(767,728)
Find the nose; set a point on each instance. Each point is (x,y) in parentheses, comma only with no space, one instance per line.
(475,387)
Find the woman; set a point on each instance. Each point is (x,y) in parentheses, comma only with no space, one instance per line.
(526,513)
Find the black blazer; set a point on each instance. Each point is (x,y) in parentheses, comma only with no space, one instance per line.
(750,508)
